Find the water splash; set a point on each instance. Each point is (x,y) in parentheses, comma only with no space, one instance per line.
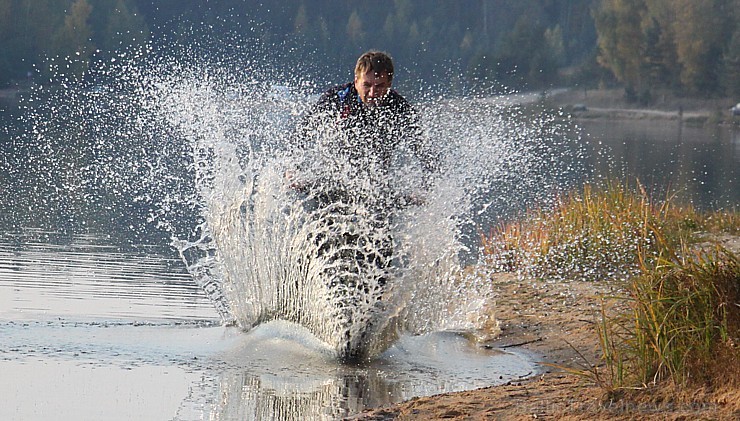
(354,277)
(201,146)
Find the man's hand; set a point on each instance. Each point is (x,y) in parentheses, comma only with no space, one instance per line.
(411,199)
(292,180)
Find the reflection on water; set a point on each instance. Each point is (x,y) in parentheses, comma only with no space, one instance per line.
(42,273)
(701,165)
(93,331)
(303,380)
(277,371)
(76,390)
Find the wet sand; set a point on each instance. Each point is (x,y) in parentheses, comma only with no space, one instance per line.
(550,320)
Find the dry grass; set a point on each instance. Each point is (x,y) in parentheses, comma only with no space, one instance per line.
(598,233)
(679,323)
(675,329)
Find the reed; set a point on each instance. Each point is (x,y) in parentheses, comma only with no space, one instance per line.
(720,222)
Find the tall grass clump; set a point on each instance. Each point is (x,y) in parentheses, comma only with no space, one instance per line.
(677,318)
(597,233)
(680,322)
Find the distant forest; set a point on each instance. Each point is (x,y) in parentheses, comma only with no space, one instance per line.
(688,47)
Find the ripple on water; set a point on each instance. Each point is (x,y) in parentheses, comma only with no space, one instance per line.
(277,370)
(46,275)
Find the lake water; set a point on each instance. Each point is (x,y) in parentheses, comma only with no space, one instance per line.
(90,330)
(99,318)
(699,165)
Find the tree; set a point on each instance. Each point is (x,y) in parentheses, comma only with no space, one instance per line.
(300,23)
(124,27)
(621,42)
(6,36)
(429,36)
(72,41)
(526,58)
(554,43)
(731,66)
(6,22)
(698,28)
(660,64)
(389,27)
(354,28)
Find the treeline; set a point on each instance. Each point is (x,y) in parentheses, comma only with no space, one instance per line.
(687,46)
(470,43)
(41,38)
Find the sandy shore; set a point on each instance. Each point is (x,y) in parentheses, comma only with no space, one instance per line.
(557,322)
(550,320)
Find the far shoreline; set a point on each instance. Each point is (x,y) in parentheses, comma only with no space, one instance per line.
(587,104)
(611,104)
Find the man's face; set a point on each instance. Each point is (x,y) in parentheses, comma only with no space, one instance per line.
(372,87)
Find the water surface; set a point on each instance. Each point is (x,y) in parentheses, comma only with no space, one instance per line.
(701,165)
(91,330)
(100,318)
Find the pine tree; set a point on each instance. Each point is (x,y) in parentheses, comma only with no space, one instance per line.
(621,40)
(124,27)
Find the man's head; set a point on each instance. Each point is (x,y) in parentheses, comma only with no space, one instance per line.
(373,77)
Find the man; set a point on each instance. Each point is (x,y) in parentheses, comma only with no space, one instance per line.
(362,158)
(367,122)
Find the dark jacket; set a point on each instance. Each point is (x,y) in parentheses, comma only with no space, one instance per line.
(368,133)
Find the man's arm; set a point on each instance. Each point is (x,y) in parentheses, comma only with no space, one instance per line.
(316,116)
(428,154)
